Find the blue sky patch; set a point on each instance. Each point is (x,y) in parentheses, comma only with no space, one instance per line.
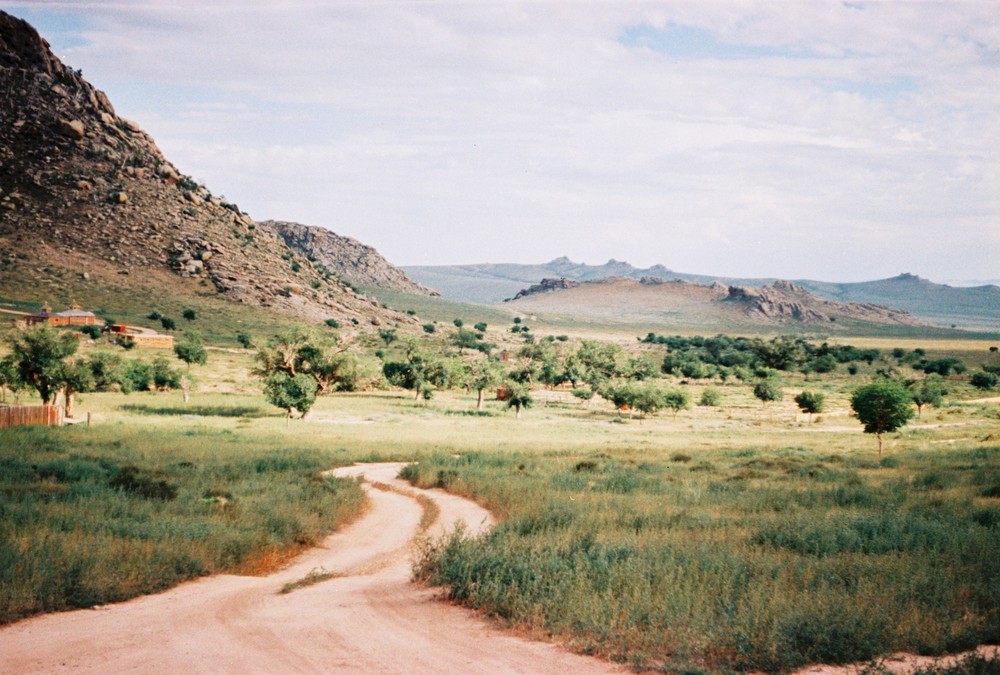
(690,42)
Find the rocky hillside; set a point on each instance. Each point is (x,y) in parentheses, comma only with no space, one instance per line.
(347,258)
(684,303)
(784,301)
(86,190)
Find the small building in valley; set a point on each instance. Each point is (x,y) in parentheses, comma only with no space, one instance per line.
(74,316)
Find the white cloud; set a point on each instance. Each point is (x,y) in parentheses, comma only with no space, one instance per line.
(812,139)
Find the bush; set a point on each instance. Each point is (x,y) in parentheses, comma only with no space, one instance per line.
(332,323)
(983,380)
(93,332)
(189,314)
(710,397)
(168,323)
(429,328)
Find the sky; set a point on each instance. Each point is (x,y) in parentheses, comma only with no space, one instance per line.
(800,139)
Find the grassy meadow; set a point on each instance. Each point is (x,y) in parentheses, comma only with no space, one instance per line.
(740,536)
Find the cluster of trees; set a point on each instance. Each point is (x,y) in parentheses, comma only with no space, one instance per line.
(297,365)
(39,359)
(723,356)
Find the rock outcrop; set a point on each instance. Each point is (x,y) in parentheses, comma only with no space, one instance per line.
(784,301)
(545,286)
(80,183)
(347,258)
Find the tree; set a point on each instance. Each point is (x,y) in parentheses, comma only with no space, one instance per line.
(387,335)
(244,340)
(189,314)
(677,400)
(76,377)
(810,402)
(290,392)
(9,380)
(190,349)
(882,407)
(483,374)
(768,389)
(518,397)
(983,380)
(928,391)
(481,326)
(710,397)
(621,393)
(38,354)
(649,397)
(165,377)
(167,323)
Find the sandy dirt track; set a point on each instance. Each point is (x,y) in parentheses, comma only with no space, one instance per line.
(369,619)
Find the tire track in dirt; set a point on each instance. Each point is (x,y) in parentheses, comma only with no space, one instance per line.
(369,618)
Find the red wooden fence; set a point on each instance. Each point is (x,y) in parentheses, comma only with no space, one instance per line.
(26,415)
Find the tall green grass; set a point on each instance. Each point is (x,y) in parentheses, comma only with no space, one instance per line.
(752,560)
(101,515)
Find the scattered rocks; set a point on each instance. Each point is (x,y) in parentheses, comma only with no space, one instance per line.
(72,129)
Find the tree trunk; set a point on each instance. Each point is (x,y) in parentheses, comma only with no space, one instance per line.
(517,411)
(479,402)
(879,437)
(69,402)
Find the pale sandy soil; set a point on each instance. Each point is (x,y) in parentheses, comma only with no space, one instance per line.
(369,619)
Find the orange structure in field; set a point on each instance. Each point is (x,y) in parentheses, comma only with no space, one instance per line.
(74,316)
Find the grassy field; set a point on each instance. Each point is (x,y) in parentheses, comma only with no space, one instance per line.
(739,536)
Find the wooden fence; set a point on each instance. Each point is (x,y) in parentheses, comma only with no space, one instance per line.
(27,415)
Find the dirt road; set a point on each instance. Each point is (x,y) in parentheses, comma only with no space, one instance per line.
(368,619)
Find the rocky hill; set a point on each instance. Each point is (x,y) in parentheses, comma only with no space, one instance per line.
(966,307)
(684,303)
(347,258)
(84,190)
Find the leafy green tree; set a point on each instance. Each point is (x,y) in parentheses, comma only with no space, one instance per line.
(136,375)
(76,377)
(168,323)
(283,352)
(710,397)
(9,380)
(518,397)
(648,398)
(38,355)
(677,400)
(882,407)
(165,377)
(768,389)
(484,374)
(621,393)
(244,340)
(983,380)
(290,392)
(810,402)
(91,331)
(104,367)
(429,328)
(458,323)
(190,349)
(481,326)
(189,314)
(387,335)
(928,391)
(464,339)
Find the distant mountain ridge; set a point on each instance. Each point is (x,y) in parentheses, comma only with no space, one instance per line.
(965,307)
